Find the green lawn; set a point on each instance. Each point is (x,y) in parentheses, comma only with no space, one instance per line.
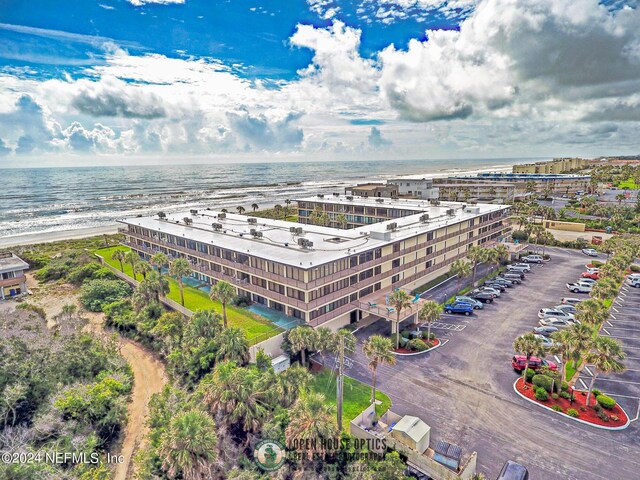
(356,395)
(628,183)
(256,327)
(570,371)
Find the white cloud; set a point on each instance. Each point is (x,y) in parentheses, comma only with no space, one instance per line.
(139,3)
(376,140)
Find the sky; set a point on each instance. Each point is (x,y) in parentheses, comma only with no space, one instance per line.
(124,80)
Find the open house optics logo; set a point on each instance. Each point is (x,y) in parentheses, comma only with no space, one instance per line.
(269,455)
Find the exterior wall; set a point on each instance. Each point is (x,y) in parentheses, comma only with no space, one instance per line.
(569,226)
(373,190)
(272,347)
(456,192)
(558,165)
(422,188)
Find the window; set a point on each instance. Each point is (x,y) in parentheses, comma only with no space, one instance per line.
(395,263)
(395,278)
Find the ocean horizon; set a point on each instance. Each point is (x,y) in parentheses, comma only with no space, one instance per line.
(54,199)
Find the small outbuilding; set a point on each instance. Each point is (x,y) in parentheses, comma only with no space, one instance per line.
(413,432)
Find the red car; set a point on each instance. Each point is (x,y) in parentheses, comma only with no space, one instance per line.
(593,275)
(518,363)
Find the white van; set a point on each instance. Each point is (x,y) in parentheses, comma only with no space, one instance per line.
(532,259)
(633,281)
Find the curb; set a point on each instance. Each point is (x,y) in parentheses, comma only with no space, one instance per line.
(442,342)
(602,427)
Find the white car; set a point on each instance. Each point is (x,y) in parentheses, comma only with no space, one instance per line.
(590,252)
(493,291)
(592,269)
(554,322)
(552,312)
(590,281)
(532,259)
(570,301)
(566,308)
(634,282)
(547,342)
(580,287)
(524,267)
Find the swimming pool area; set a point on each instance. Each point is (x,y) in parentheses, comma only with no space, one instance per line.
(278,318)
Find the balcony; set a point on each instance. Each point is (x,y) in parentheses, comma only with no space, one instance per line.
(13,282)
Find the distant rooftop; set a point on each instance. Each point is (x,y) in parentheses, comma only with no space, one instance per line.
(10,262)
(281,245)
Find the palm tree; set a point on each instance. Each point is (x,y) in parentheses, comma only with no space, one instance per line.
(293,381)
(606,356)
(341,219)
(302,338)
(119,255)
(579,337)
(254,206)
(502,253)
(378,350)
(278,209)
(476,254)
(562,347)
(157,284)
(204,324)
(529,346)
(430,312)
(144,268)
(399,300)
(180,268)
(133,259)
(311,419)
(188,448)
(604,289)
(232,346)
(326,340)
(287,202)
(223,292)
(240,209)
(620,198)
(460,268)
(530,186)
(592,313)
(160,261)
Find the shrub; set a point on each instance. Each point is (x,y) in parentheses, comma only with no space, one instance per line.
(530,374)
(602,415)
(597,263)
(572,412)
(615,418)
(82,272)
(554,396)
(565,395)
(583,408)
(541,394)
(565,387)
(403,341)
(635,268)
(520,235)
(405,333)
(241,301)
(425,335)
(543,381)
(596,393)
(416,345)
(556,408)
(605,402)
(34,308)
(95,294)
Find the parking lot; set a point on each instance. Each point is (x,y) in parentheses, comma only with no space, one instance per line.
(464,388)
(624,326)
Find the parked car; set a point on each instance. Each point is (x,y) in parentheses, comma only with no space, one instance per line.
(495,285)
(634,282)
(590,275)
(495,291)
(532,259)
(517,268)
(546,341)
(592,269)
(458,307)
(502,281)
(513,276)
(567,308)
(634,276)
(552,312)
(579,287)
(512,470)
(554,322)
(590,281)
(518,363)
(545,331)
(484,297)
(525,266)
(590,252)
(476,304)
(570,301)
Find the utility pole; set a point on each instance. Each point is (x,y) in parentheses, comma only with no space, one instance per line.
(339,383)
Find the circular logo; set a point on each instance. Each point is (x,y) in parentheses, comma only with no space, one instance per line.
(269,455)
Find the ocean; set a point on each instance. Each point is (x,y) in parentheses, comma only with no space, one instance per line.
(43,200)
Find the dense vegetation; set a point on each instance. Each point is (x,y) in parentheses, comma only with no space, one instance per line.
(61,391)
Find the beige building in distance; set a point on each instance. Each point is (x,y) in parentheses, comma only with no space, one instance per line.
(557,165)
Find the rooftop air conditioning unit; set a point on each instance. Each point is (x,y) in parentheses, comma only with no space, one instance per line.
(251,220)
(193,212)
(349,197)
(292,230)
(222,216)
(309,244)
(302,242)
(451,212)
(320,195)
(336,194)
(253,232)
(299,231)
(424,218)
(217,226)
(392,226)
(380,200)
(257,234)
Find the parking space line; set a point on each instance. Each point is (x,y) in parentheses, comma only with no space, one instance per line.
(612,316)
(620,328)
(583,384)
(605,379)
(624,338)
(610,324)
(616,310)
(623,294)
(606,331)
(632,348)
(588,371)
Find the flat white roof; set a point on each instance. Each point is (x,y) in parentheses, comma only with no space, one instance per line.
(329,244)
(12,263)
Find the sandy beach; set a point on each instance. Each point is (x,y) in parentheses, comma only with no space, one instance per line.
(47,237)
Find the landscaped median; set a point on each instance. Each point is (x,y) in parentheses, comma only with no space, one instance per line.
(602,413)
(255,327)
(412,344)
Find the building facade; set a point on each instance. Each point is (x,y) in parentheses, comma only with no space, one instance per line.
(387,190)
(13,281)
(556,184)
(416,188)
(503,192)
(318,274)
(557,165)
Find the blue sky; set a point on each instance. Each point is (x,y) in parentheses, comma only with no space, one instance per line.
(318,78)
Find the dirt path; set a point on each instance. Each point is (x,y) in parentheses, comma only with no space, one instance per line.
(148,372)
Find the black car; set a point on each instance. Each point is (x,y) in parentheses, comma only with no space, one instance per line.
(514,277)
(484,297)
(502,281)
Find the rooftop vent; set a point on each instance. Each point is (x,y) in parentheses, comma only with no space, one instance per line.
(380,200)
(252,220)
(193,212)
(424,218)
(256,234)
(321,195)
(336,194)
(392,226)
(216,226)
(451,212)
(349,197)
(222,216)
